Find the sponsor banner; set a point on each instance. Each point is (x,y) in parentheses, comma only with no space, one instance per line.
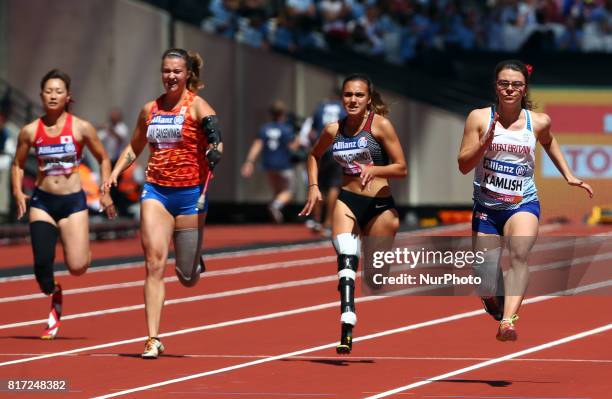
(586,161)
(581,118)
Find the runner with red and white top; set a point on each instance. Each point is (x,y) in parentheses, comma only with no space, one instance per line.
(57,207)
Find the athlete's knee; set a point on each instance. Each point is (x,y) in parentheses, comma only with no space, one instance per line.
(394,224)
(347,246)
(78,269)
(187,244)
(155,265)
(44,238)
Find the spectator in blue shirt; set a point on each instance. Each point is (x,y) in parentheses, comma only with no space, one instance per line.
(275,141)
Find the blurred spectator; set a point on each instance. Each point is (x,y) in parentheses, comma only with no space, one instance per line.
(5,164)
(91,186)
(127,197)
(114,135)
(330,174)
(275,140)
(401,29)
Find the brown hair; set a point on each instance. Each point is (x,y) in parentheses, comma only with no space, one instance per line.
(194,63)
(377,105)
(61,75)
(518,66)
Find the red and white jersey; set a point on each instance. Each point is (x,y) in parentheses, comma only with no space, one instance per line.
(57,155)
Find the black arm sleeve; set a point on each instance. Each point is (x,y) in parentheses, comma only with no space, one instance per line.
(210,125)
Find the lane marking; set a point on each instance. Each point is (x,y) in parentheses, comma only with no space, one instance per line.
(250,252)
(262,267)
(491,362)
(212,273)
(290,284)
(329,346)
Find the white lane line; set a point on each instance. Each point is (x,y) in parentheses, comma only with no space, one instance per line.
(312,281)
(299,311)
(491,362)
(250,252)
(212,273)
(268,266)
(317,348)
(339,358)
(268,316)
(221,294)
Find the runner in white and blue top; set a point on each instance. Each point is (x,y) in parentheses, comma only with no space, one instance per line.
(499,142)
(503,181)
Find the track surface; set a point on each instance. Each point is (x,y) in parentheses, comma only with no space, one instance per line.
(264,324)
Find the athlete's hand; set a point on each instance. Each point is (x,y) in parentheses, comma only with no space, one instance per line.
(487,138)
(366,175)
(247,169)
(213,156)
(21,202)
(111,182)
(314,196)
(573,181)
(107,206)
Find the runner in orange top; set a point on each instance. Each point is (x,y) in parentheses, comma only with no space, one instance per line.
(185,143)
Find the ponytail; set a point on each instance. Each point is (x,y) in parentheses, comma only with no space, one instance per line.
(194,63)
(377,105)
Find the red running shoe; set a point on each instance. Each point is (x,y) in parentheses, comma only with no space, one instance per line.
(55,314)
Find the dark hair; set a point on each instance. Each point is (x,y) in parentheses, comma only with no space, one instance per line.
(194,63)
(61,75)
(377,105)
(518,66)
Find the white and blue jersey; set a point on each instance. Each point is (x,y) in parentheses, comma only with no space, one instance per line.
(504,178)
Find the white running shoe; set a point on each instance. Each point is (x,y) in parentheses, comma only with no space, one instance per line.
(153,348)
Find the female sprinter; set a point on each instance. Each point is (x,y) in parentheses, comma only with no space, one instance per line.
(185,144)
(367,148)
(499,141)
(58,207)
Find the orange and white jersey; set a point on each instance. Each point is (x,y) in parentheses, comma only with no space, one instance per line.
(178,146)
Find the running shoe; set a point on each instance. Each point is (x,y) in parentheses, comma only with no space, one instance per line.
(346,340)
(276,214)
(506,330)
(494,305)
(53,323)
(153,348)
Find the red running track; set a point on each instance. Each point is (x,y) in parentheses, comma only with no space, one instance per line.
(264,324)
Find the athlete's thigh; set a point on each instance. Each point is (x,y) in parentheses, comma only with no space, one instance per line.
(521,232)
(74,231)
(384,224)
(344,220)
(39,215)
(156,227)
(482,241)
(195,221)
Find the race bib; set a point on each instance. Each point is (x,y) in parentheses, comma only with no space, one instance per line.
(165,131)
(349,152)
(503,181)
(57,159)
